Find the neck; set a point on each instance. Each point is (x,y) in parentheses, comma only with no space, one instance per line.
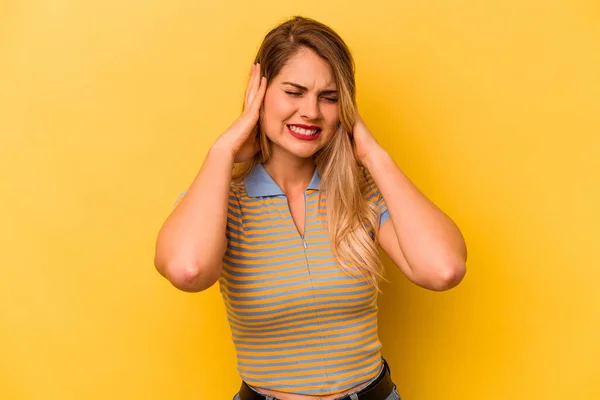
(292,174)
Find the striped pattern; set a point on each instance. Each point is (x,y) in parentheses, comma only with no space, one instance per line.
(300,324)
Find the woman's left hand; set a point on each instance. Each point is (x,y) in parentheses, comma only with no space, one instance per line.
(363,141)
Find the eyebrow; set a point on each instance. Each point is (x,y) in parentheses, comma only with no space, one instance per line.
(333,91)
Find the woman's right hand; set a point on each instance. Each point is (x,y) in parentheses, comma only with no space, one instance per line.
(240,138)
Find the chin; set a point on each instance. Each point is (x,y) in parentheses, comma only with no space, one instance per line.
(302,153)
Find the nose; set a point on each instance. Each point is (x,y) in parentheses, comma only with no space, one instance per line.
(310,108)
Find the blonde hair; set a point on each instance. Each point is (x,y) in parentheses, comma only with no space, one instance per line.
(352,220)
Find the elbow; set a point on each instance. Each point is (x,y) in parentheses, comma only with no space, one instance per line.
(447,276)
(449,270)
(190,276)
(438,276)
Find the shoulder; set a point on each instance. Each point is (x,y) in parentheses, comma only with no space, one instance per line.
(237,187)
(369,188)
(237,191)
(367,183)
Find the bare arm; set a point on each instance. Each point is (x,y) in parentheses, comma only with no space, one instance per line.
(419,237)
(192,241)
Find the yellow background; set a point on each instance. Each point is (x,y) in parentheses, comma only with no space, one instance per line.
(107,109)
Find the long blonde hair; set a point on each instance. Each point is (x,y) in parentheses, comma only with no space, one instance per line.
(349,215)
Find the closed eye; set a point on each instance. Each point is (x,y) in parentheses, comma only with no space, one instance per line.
(297,94)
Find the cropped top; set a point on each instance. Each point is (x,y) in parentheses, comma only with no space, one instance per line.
(299,322)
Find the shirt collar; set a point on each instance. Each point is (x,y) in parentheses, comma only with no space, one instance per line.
(260,184)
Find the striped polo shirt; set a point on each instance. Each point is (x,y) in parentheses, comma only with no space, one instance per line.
(299,322)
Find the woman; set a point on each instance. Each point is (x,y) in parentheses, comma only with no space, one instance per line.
(292,233)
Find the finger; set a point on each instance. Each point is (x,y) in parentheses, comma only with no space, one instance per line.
(260,95)
(258,76)
(249,85)
(252,84)
(249,80)
(255,83)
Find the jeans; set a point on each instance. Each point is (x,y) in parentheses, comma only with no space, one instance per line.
(350,396)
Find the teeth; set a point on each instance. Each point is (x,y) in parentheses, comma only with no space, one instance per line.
(302,131)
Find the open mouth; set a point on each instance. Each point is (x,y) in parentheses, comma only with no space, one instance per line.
(303,133)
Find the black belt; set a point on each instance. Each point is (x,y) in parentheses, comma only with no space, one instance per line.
(379,389)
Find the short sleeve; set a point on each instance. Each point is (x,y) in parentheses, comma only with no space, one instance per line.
(373,195)
(234,230)
(178,199)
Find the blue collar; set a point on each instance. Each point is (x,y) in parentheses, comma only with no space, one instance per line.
(260,184)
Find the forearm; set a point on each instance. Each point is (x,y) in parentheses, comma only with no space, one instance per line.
(191,242)
(431,243)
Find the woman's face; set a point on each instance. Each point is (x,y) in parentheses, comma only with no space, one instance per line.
(300,106)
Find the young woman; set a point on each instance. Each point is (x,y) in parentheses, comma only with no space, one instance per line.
(287,212)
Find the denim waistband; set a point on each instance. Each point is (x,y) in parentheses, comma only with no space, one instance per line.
(343,397)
